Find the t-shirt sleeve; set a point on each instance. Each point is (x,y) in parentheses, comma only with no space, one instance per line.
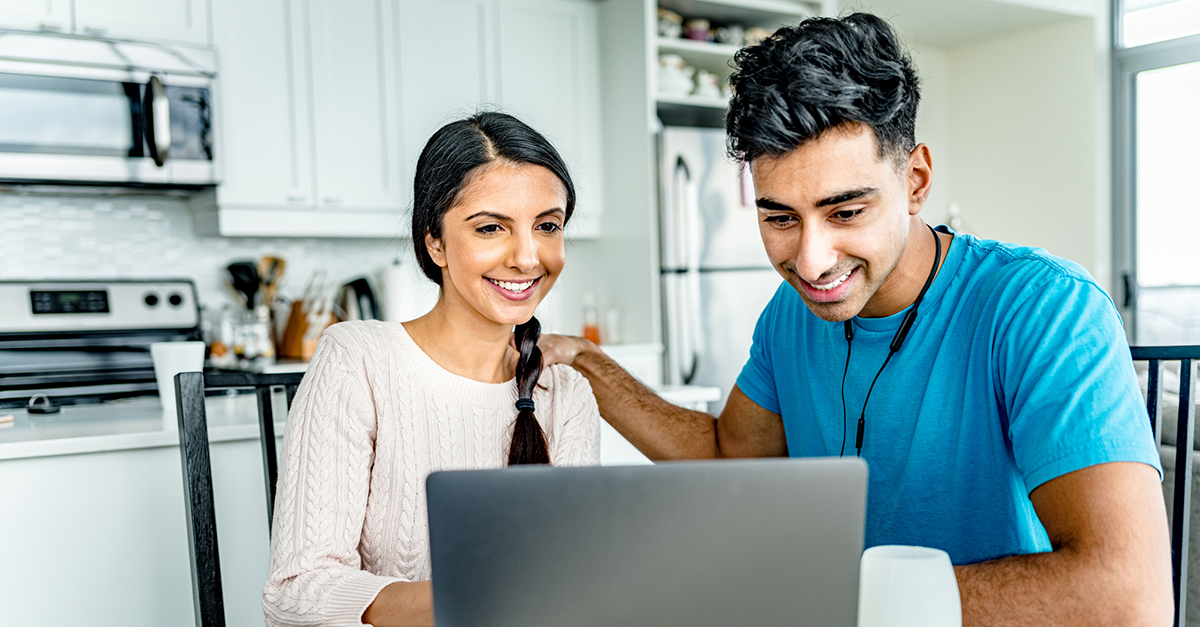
(1067,384)
(757,379)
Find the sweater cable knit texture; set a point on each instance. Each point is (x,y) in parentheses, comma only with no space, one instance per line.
(373,417)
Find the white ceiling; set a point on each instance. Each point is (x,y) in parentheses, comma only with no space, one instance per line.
(949,23)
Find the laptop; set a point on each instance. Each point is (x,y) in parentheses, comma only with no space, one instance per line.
(720,543)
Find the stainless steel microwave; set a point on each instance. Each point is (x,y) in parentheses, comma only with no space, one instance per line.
(82,111)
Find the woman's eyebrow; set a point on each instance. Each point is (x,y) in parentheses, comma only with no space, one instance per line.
(497,216)
(549,212)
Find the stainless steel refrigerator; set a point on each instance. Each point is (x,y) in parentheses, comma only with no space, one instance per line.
(716,278)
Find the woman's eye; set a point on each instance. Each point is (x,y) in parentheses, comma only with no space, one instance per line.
(549,227)
(488,228)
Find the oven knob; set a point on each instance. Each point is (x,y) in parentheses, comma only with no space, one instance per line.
(151,299)
(175,300)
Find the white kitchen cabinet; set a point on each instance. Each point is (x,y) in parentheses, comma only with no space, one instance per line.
(309,120)
(451,83)
(356,105)
(47,15)
(265,141)
(549,76)
(183,21)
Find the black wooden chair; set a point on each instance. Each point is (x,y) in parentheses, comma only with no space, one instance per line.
(1185,442)
(197,473)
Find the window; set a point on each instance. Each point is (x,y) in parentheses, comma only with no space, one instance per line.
(1156,152)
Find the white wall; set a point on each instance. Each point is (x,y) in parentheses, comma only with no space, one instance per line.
(1027,131)
(933,126)
(46,237)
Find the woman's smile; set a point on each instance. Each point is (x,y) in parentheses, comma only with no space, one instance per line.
(514,290)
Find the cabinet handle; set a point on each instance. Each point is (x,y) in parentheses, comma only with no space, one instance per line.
(94,31)
(332,201)
(297,198)
(50,27)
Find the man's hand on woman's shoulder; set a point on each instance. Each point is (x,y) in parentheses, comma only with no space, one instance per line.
(562,349)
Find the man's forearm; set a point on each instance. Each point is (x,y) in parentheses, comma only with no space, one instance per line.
(1060,588)
(658,429)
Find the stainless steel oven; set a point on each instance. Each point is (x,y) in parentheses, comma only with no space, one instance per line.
(75,110)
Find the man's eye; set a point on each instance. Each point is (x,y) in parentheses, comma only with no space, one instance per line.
(780,220)
(849,214)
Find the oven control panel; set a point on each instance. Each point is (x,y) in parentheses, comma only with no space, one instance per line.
(52,306)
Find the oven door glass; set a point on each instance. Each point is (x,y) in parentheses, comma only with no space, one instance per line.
(69,116)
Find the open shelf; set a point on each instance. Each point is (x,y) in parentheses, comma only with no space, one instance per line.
(764,13)
(693,101)
(689,48)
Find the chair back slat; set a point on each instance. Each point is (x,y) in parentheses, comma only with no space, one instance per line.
(266,427)
(1184,443)
(197,473)
(1154,398)
(1181,523)
(207,600)
(291,394)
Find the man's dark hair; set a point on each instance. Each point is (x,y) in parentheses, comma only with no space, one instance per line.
(819,75)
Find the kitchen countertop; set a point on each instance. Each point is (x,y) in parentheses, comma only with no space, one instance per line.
(139,423)
(123,424)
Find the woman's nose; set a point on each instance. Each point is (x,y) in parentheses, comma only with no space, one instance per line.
(522,254)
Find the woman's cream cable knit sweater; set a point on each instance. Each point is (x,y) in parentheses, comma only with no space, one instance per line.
(372,418)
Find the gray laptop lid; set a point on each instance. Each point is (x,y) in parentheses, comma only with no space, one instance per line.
(747,543)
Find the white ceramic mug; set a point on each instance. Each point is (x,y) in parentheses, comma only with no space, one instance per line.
(170,359)
(902,586)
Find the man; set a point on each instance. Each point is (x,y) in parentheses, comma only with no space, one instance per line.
(1004,425)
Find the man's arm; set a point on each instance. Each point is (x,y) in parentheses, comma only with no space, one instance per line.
(658,429)
(1110,564)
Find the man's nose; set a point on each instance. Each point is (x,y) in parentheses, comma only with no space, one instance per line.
(817,254)
(522,253)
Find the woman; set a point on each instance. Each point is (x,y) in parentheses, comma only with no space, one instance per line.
(385,404)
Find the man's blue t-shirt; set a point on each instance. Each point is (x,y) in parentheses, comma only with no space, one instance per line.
(1015,372)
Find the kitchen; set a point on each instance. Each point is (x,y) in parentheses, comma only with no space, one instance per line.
(318,115)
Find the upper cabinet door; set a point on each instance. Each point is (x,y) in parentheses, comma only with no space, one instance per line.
(446,66)
(184,21)
(356,104)
(263,122)
(48,15)
(550,78)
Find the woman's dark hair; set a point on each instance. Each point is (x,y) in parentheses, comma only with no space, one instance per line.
(821,74)
(455,153)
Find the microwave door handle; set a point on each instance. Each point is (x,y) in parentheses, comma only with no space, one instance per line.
(157,113)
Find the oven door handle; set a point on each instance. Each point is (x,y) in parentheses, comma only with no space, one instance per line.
(157,113)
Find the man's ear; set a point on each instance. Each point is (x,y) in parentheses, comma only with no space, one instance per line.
(436,252)
(920,177)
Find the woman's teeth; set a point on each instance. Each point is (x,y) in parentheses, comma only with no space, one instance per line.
(514,287)
(832,284)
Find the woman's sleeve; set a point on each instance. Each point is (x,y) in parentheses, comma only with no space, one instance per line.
(579,444)
(316,575)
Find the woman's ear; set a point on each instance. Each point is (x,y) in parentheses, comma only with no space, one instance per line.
(434,247)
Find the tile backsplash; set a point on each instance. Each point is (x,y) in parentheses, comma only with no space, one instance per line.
(61,237)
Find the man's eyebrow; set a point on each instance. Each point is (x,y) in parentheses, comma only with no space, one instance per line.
(846,196)
(771,204)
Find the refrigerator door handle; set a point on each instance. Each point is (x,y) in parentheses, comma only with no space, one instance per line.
(681,225)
